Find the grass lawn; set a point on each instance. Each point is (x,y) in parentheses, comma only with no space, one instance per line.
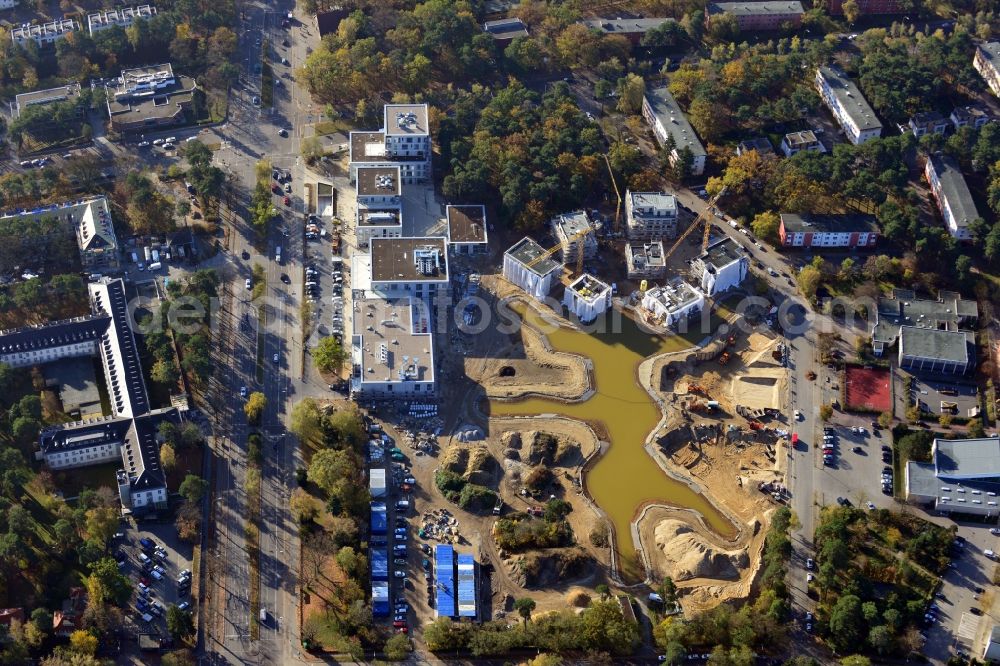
(331,127)
(95,476)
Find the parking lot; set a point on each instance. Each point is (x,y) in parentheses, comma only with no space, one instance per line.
(857,462)
(154,567)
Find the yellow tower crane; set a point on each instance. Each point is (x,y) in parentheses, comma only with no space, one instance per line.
(618,208)
(578,237)
(706,217)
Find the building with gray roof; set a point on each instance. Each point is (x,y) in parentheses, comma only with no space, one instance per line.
(986,61)
(952,195)
(531,267)
(505,30)
(934,335)
(631,28)
(66,93)
(768,15)
(650,215)
(130,431)
(722,266)
(147,98)
(671,127)
(849,107)
(963,477)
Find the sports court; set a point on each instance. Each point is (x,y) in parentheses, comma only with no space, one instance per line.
(867,389)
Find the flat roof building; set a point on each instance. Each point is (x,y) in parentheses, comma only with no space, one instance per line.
(403,141)
(43,34)
(645,261)
(851,110)
(631,28)
(797,142)
(505,30)
(952,195)
(811,230)
(378,210)
(867,7)
(531,267)
(122,17)
(392,348)
(587,298)
(767,15)
(145,98)
(671,304)
(575,233)
(664,115)
(963,477)
(67,93)
(467,229)
(721,267)
(925,321)
(650,215)
(409,266)
(987,62)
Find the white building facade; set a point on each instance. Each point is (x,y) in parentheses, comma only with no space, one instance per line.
(848,106)
(587,298)
(721,267)
(650,215)
(672,303)
(528,265)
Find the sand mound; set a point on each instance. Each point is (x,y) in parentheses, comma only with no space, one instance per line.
(578,597)
(759,390)
(688,555)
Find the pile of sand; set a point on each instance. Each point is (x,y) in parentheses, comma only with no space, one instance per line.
(687,555)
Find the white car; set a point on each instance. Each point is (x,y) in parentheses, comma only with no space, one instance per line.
(275,358)
(159,142)
(870,506)
(798,415)
(248,283)
(995,531)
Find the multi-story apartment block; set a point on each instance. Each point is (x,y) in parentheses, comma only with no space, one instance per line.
(767,15)
(43,34)
(401,268)
(827,230)
(848,106)
(403,141)
(987,63)
(929,122)
(797,142)
(587,298)
(379,204)
(575,233)
(672,128)
(722,266)
(529,266)
(632,29)
(650,215)
(8,4)
(122,17)
(866,7)
(645,261)
(673,303)
(952,195)
(392,349)
(467,229)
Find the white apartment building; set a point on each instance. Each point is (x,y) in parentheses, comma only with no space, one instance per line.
(721,267)
(404,140)
(43,34)
(587,298)
(402,267)
(122,17)
(951,193)
(674,302)
(379,209)
(797,142)
(660,110)
(987,63)
(650,215)
(851,110)
(645,260)
(392,350)
(529,266)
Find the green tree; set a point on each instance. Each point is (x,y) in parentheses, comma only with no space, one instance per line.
(524,607)
(855,660)
(254,407)
(312,149)
(164,372)
(330,469)
(106,584)
(881,638)
(809,278)
(305,421)
(825,412)
(328,355)
(766,225)
(83,642)
(193,488)
(631,93)
(180,624)
(398,647)
(846,623)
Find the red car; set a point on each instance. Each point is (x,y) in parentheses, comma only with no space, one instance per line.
(402,630)
(144,581)
(398,624)
(287,201)
(275,188)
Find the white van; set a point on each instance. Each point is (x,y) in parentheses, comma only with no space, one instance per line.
(263,615)
(277,254)
(155,266)
(990,554)
(143,558)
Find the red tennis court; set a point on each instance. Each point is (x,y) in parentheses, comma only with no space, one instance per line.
(867,388)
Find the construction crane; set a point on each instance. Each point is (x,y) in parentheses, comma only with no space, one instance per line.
(578,236)
(618,208)
(706,217)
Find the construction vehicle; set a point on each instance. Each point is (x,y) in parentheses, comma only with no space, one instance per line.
(695,388)
(706,217)
(756,425)
(724,358)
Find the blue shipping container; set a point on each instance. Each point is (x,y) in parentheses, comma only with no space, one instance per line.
(380,564)
(378,518)
(380,599)
(466,586)
(444,571)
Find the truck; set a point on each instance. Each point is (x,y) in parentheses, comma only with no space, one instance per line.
(148,252)
(380,564)
(378,518)
(376,482)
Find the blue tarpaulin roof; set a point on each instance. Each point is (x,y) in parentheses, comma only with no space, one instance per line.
(444,585)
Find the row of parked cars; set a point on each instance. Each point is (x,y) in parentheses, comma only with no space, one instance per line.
(152,558)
